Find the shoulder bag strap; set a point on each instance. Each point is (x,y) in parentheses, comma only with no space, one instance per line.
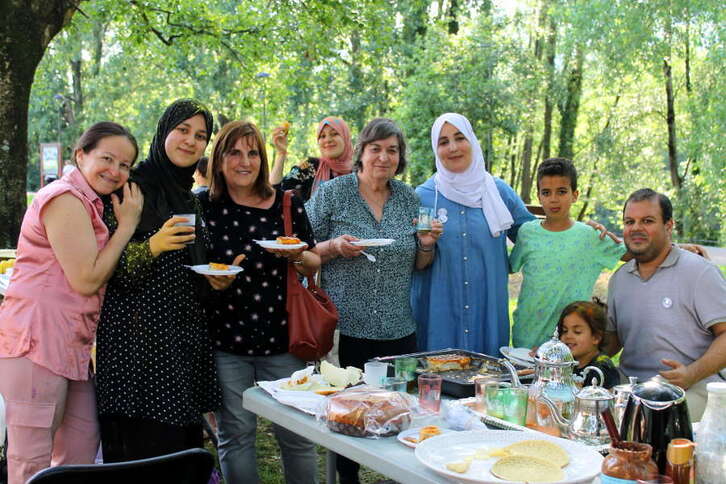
(287,219)
(286,209)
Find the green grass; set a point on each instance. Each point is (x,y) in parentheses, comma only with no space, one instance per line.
(269,462)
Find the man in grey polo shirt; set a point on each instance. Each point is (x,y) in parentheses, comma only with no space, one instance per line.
(667,306)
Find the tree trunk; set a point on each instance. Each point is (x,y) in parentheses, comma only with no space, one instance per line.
(76,75)
(488,150)
(416,14)
(526,167)
(571,107)
(507,153)
(671,120)
(25,32)
(688,50)
(549,66)
(99,29)
(541,43)
(594,170)
(453,22)
(355,81)
(513,164)
(535,165)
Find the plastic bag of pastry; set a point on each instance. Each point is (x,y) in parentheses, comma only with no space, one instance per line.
(366,411)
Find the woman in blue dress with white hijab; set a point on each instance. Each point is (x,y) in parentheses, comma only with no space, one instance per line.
(462,300)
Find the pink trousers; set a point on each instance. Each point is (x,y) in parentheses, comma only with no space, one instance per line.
(51,420)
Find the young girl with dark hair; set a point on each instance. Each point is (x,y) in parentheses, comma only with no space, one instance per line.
(582,328)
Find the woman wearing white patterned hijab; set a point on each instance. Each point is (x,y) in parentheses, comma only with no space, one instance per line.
(474,186)
(461,299)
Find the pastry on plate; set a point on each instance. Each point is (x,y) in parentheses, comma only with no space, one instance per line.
(328,390)
(216,266)
(447,362)
(287,240)
(428,432)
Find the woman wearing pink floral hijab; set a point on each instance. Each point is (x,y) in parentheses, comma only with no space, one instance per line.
(336,158)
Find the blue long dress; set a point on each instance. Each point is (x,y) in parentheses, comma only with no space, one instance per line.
(462,300)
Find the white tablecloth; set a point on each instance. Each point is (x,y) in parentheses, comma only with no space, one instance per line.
(386,456)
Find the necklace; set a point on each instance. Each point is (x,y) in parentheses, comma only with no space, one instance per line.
(376,200)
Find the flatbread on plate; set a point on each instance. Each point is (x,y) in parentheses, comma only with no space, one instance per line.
(542,449)
(522,468)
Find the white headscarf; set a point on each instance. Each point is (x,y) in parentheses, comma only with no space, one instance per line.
(474,187)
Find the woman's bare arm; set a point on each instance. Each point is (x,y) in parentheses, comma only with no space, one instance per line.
(73,241)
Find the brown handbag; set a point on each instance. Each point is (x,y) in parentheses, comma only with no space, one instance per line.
(311,315)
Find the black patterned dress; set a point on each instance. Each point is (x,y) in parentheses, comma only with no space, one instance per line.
(301,177)
(250,317)
(154,354)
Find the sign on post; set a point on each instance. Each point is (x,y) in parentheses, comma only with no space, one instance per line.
(51,161)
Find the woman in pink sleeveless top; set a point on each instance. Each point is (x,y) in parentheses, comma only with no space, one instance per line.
(49,315)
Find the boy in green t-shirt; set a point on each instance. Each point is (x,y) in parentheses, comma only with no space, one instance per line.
(560,258)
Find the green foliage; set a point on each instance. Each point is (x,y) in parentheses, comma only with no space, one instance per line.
(398,59)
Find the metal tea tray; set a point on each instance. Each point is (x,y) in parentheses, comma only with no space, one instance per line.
(460,383)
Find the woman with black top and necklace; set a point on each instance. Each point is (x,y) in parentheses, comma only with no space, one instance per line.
(156,373)
(248,321)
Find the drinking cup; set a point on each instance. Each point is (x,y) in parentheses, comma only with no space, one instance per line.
(191,221)
(395,384)
(495,399)
(425,216)
(479,384)
(375,372)
(514,402)
(429,392)
(406,368)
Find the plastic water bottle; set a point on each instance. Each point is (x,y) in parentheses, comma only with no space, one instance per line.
(711,437)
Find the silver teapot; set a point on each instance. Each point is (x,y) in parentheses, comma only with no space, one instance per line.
(553,383)
(586,425)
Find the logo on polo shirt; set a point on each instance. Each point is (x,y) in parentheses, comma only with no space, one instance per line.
(667,302)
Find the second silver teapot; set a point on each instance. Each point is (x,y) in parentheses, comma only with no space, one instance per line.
(586,425)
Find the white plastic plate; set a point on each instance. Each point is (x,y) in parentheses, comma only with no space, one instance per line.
(415,433)
(436,452)
(205,270)
(373,242)
(273,244)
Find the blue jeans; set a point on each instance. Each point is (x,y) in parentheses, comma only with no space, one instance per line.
(238,427)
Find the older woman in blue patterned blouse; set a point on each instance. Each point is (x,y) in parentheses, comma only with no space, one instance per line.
(372,297)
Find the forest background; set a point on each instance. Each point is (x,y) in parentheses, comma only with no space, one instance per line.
(632,90)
